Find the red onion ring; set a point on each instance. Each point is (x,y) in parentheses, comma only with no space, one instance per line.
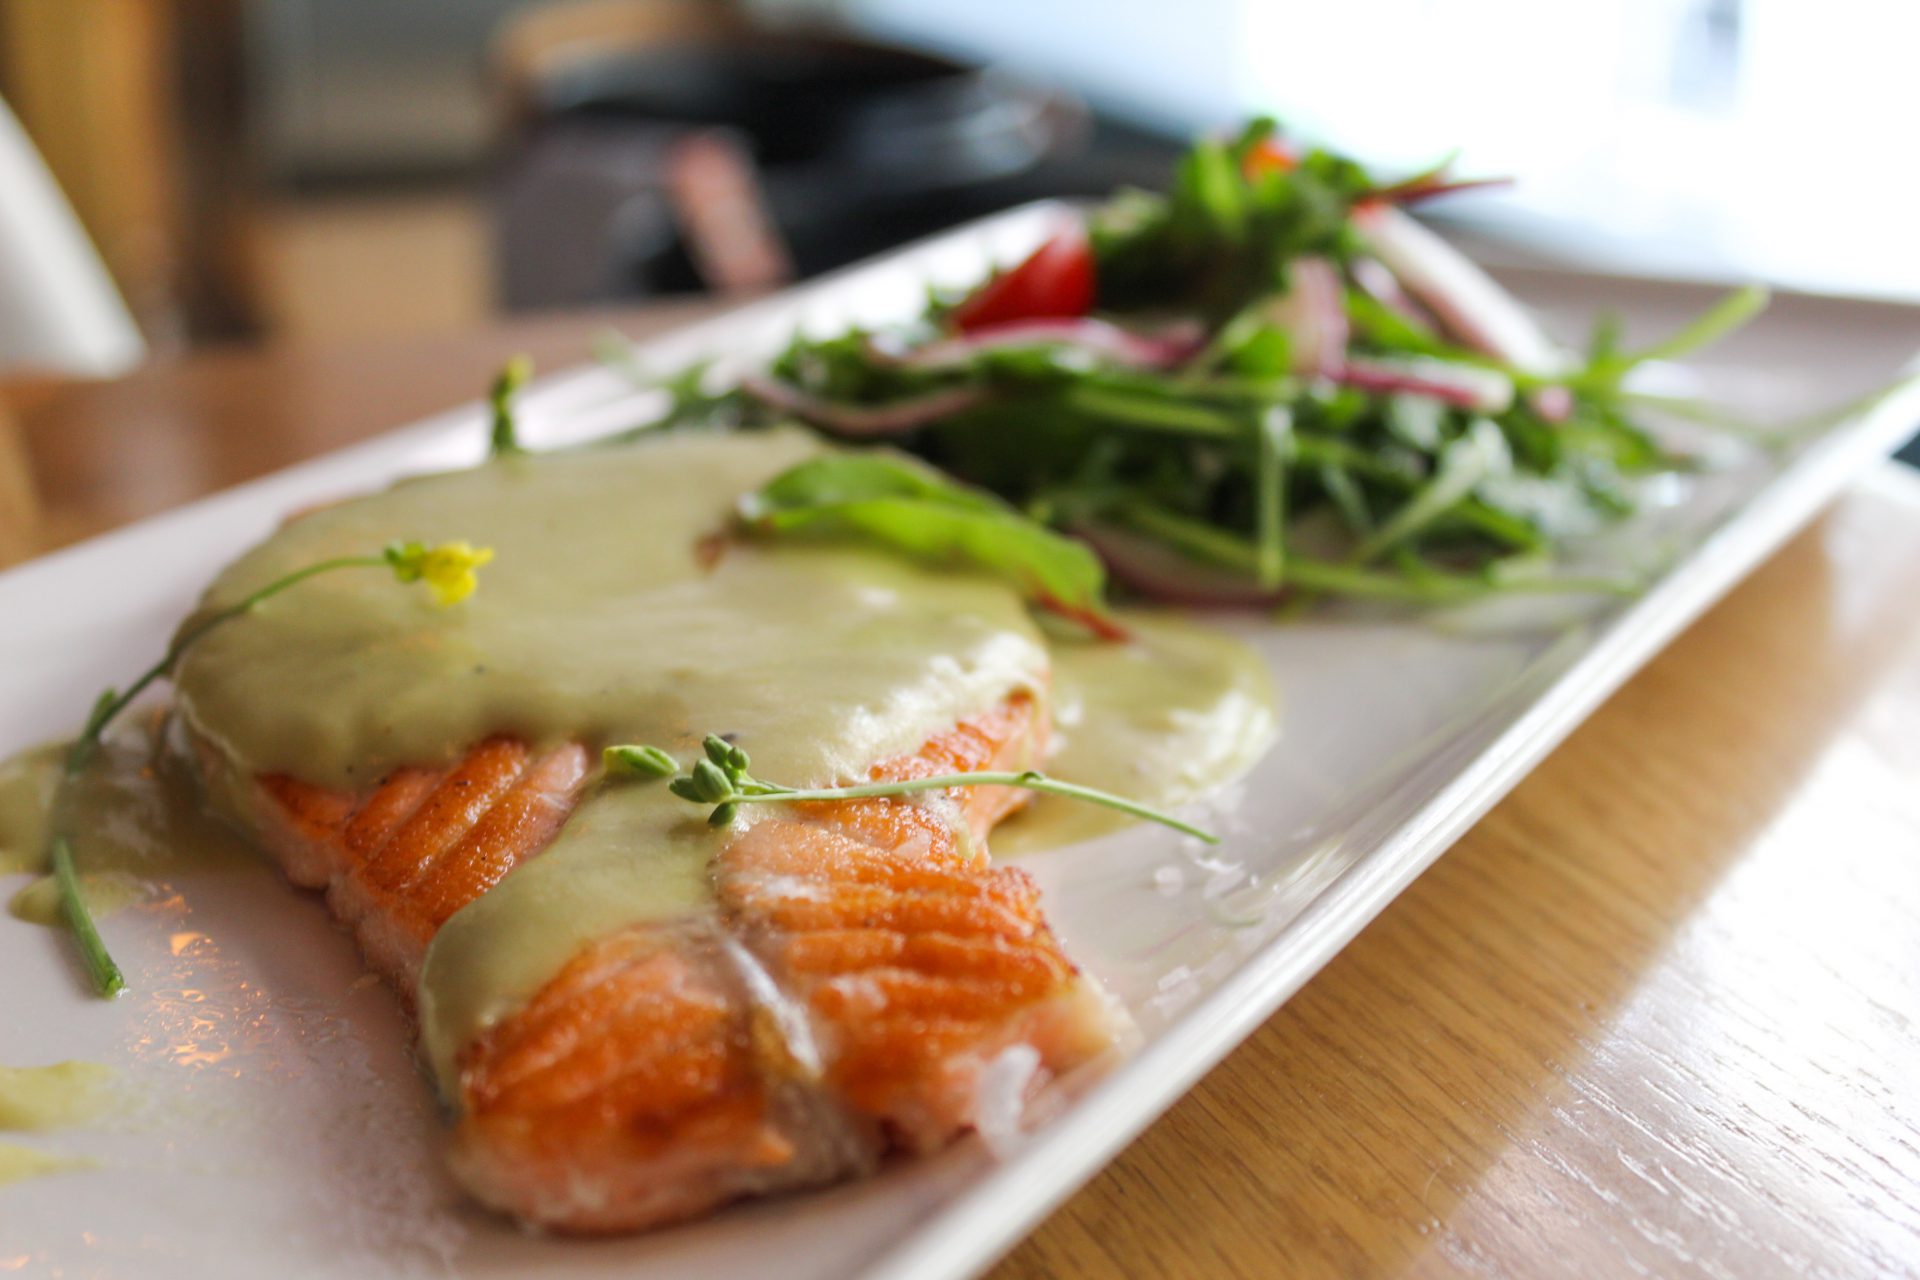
(893,419)
(1467,301)
(1163,350)
(1469,387)
(1159,572)
(1314,314)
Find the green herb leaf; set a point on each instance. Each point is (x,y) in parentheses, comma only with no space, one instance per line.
(506,432)
(1210,187)
(1716,322)
(1464,463)
(906,506)
(858,477)
(1275,440)
(638,762)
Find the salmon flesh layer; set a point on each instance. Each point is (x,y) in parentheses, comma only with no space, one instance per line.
(864,980)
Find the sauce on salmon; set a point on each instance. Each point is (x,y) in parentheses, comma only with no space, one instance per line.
(637,1016)
(599,622)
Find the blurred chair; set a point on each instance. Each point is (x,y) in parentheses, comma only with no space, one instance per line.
(537,45)
(584,196)
(59,312)
(664,146)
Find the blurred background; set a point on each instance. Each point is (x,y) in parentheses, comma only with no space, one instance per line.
(310,169)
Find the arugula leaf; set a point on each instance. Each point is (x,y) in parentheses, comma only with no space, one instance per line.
(1275,441)
(907,506)
(1711,325)
(1209,195)
(1224,233)
(1464,463)
(1608,364)
(858,477)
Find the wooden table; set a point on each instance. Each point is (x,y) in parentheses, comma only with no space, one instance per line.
(1659,1013)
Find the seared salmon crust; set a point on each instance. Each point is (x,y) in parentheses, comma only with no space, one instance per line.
(864,980)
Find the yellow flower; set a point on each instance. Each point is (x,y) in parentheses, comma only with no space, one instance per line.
(448,568)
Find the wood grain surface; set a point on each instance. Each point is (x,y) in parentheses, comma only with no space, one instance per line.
(104,454)
(1655,1015)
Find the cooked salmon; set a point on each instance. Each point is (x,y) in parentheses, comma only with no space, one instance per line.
(864,980)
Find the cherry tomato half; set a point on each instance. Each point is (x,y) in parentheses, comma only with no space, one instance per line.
(1055,282)
(1267,156)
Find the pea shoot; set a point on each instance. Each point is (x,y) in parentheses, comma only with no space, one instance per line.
(504,438)
(721,778)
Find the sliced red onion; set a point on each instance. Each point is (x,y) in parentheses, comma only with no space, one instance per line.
(1159,572)
(1375,280)
(1314,314)
(1163,350)
(1468,386)
(1472,307)
(1555,404)
(1428,186)
(897,418)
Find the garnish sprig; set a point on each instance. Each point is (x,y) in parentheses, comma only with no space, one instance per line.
(107,979)
(449,569)
(721,778)
(504,436)
(906,506)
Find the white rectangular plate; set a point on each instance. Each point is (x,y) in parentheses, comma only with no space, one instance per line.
(281,1127)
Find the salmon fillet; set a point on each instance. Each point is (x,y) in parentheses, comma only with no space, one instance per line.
(865,980)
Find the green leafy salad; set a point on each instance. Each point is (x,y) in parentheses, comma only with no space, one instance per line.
(1266,386)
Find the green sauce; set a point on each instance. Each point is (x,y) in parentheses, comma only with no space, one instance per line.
(1178,713)
(18,1163)
(133,817)
(27,783)
(598,622)
(104,892)
(65,1095)
(62,1096)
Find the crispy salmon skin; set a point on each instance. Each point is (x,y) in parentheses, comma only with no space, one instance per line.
(863,980)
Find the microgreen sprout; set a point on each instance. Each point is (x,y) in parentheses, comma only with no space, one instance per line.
(506,429)
(448,569)
(721,778)
(639,762)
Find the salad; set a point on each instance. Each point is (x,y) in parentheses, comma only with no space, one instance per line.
(1266,386)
